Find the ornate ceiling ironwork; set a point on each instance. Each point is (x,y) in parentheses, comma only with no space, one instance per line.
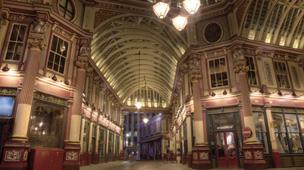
(115,47)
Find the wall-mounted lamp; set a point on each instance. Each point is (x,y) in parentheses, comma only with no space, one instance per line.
(280,93)
(212,94)
(225,92)
(294,94)
(5,68)
(54,77)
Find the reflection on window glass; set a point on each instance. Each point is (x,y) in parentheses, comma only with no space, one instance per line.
(85,136)
(46,126)
(287,133)
(261,131)
(293,133)
(280,132)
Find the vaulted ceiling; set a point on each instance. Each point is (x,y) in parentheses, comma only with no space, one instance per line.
(133,51)
(279,22)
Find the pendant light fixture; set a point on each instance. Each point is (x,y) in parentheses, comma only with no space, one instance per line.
(180,22)
(138,104)
(191,6)
(161,9)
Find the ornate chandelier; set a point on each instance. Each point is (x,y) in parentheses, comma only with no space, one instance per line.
(162,7)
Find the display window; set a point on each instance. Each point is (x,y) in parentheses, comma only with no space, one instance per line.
(46,124)
(102,143)
(287,125)
(85,136)
(260,127)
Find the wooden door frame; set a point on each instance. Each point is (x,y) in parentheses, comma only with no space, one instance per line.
(225,131)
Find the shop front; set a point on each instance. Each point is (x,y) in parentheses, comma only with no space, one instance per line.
(45,134)
(102,144)
(225,138)
(7,103)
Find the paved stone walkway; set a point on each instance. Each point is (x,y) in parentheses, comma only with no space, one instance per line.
(149,165)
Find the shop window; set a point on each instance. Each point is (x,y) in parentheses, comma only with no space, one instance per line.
(117,145)
(287,133)
(281,74)
(85,136)
(101,142)
(93,142)
(46,126)
(293,133)
(252,78)
(218,72)
(111,143)
(301,121)
(57,55)
(16,43)
(260,127)
(66,9)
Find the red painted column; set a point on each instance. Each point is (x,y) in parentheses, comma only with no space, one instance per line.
(252,148)
(72,145)
(15,152)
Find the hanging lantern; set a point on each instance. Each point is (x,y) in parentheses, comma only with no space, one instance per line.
(180,22)
(138,105)
(161,9)
(145,120)
(191,6)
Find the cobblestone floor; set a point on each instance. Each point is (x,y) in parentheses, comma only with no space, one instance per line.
(149,165)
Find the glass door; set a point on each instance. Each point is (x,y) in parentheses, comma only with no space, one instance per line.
(226,149)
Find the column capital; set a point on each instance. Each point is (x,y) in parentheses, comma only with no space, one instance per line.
(81,62)
(37,33)
(239,61)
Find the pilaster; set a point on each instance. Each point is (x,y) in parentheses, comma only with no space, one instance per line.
(200,151)
(72,145)
(252,148)
(15,151)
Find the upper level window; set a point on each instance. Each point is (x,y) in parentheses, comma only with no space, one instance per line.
(218,72)
(66,9)
(57,55)
(252,78)
(16,42)
(281,74)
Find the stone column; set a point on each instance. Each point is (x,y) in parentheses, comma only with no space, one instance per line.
(121,149)
(178,146)
(72,145)
(253,150)
(18,144)
(189,138)
(200,150)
